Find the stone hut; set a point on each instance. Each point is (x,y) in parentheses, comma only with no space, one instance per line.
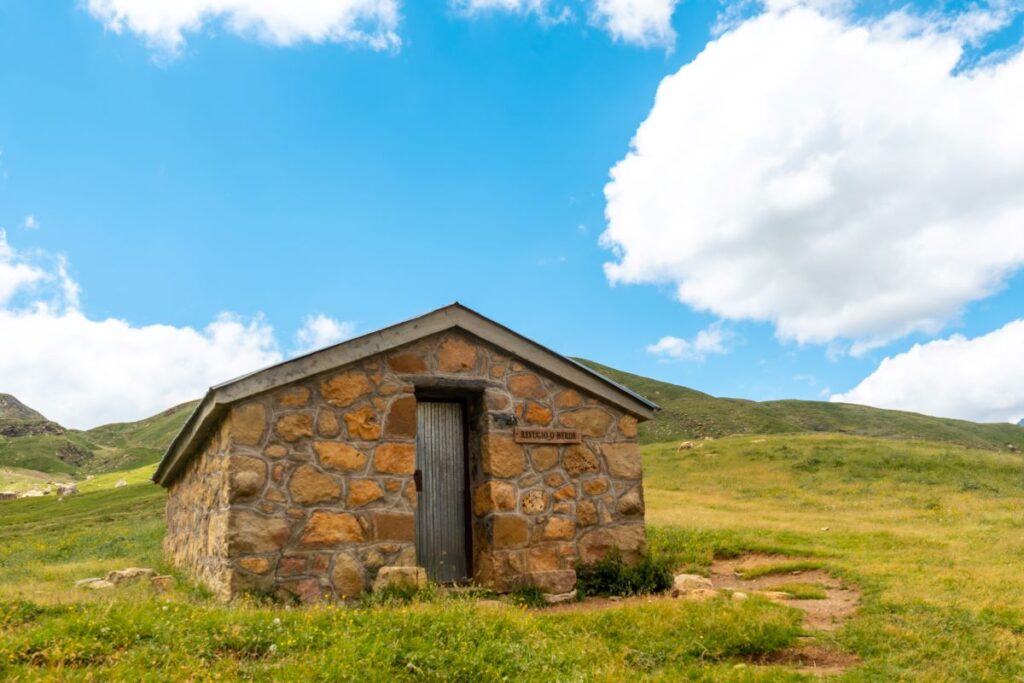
(447,442)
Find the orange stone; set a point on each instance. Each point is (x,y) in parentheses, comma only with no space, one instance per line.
(256,565)
(327,423)
(509,531)
(339,456)
(627,426)
(406,363)
(345,388)
(362,424)
(309,485)
(294,426)
(586,513)
(456,355)
(247,424)
(623,460)
(395,458)
(526,386)
(326,528)
(363,491)
(544,457)
(559,529)
(595,487)
(493,495)
(579,459)
(275,450)
(401,418)
(295,397)
(537,414)
(590,421)
(567,492)
(503,457)
(568,398)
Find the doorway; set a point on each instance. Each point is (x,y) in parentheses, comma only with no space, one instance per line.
(442,477)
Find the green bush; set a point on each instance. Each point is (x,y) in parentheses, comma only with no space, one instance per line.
(611,576)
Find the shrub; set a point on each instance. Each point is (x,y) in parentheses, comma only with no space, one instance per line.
(528,595)
(611,576)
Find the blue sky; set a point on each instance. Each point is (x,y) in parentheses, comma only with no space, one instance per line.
(169,184)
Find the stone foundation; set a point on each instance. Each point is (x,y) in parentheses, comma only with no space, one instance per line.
(308,490)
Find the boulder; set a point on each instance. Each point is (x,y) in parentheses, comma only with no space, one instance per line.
(130,574)
(400,576)
(121,483)
(98,584)
(700,594)
(82,583)
(684,583)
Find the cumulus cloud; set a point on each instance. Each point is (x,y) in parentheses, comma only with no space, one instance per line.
(640,22)
(979,379)
(164,23)
(706,342)
(82,372)
(319,330)
(840,180)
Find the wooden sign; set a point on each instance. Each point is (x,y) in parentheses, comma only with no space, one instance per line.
(545,435)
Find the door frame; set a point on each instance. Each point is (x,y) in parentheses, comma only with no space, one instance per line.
(465,400)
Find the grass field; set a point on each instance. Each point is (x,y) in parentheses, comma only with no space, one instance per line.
(932,533)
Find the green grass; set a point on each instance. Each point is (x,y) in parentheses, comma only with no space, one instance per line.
(690,414)
(802,591)
(933,534)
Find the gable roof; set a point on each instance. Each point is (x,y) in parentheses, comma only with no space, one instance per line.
(454,316)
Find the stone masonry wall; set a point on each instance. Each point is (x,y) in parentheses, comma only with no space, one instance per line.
(308,490)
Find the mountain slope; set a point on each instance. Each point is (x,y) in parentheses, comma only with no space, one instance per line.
(690,414)
(102,449)
(17,419)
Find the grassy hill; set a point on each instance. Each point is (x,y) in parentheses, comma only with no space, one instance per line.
(690,414)
(930,533)
(72,453)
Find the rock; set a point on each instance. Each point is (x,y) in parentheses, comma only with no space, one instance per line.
(81,583)
(509,531)
(394,526)
(586,513)
(401,418)
(251,533)
(579,459)
(326,528)
(406,363)
(162,584)
(67,490)
(345,388)
(568,398)
(537,414)
(400,576)
(121,483)
(32,493)
(631,503)
(395,458)
(340,456)
(503,457)
(349,579)
(595,487)
(558,528)
(526,386)
(683,583)
(544,457)
(8,495)
(534,502)
(363,424)
(456,355)
(685,446)
(309,485)
(623,459)
(327,423)
(99,584)
(739,596)
(492,496)
(590,421)
(627,426)
(247,424)
(294,426)
(556,582)
(130,575)
(294,397)
(362,492)
(246,476)
(558,598)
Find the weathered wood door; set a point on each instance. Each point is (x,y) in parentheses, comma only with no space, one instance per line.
(441,504)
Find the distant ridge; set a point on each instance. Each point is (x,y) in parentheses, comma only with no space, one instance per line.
(17,419)
(690,414)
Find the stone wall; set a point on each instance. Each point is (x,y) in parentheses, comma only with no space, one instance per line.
(314,481)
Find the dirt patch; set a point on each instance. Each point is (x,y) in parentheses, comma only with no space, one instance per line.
(812,658)
(828,614)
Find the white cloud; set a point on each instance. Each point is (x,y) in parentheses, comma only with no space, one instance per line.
(30,222)
(833,178)
(318,331)
(83,372)
(979,379)
(706,342)
(640,22)
(164,23)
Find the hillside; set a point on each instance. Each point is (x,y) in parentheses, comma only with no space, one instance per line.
(102,449)
(17,419)
(690,414)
